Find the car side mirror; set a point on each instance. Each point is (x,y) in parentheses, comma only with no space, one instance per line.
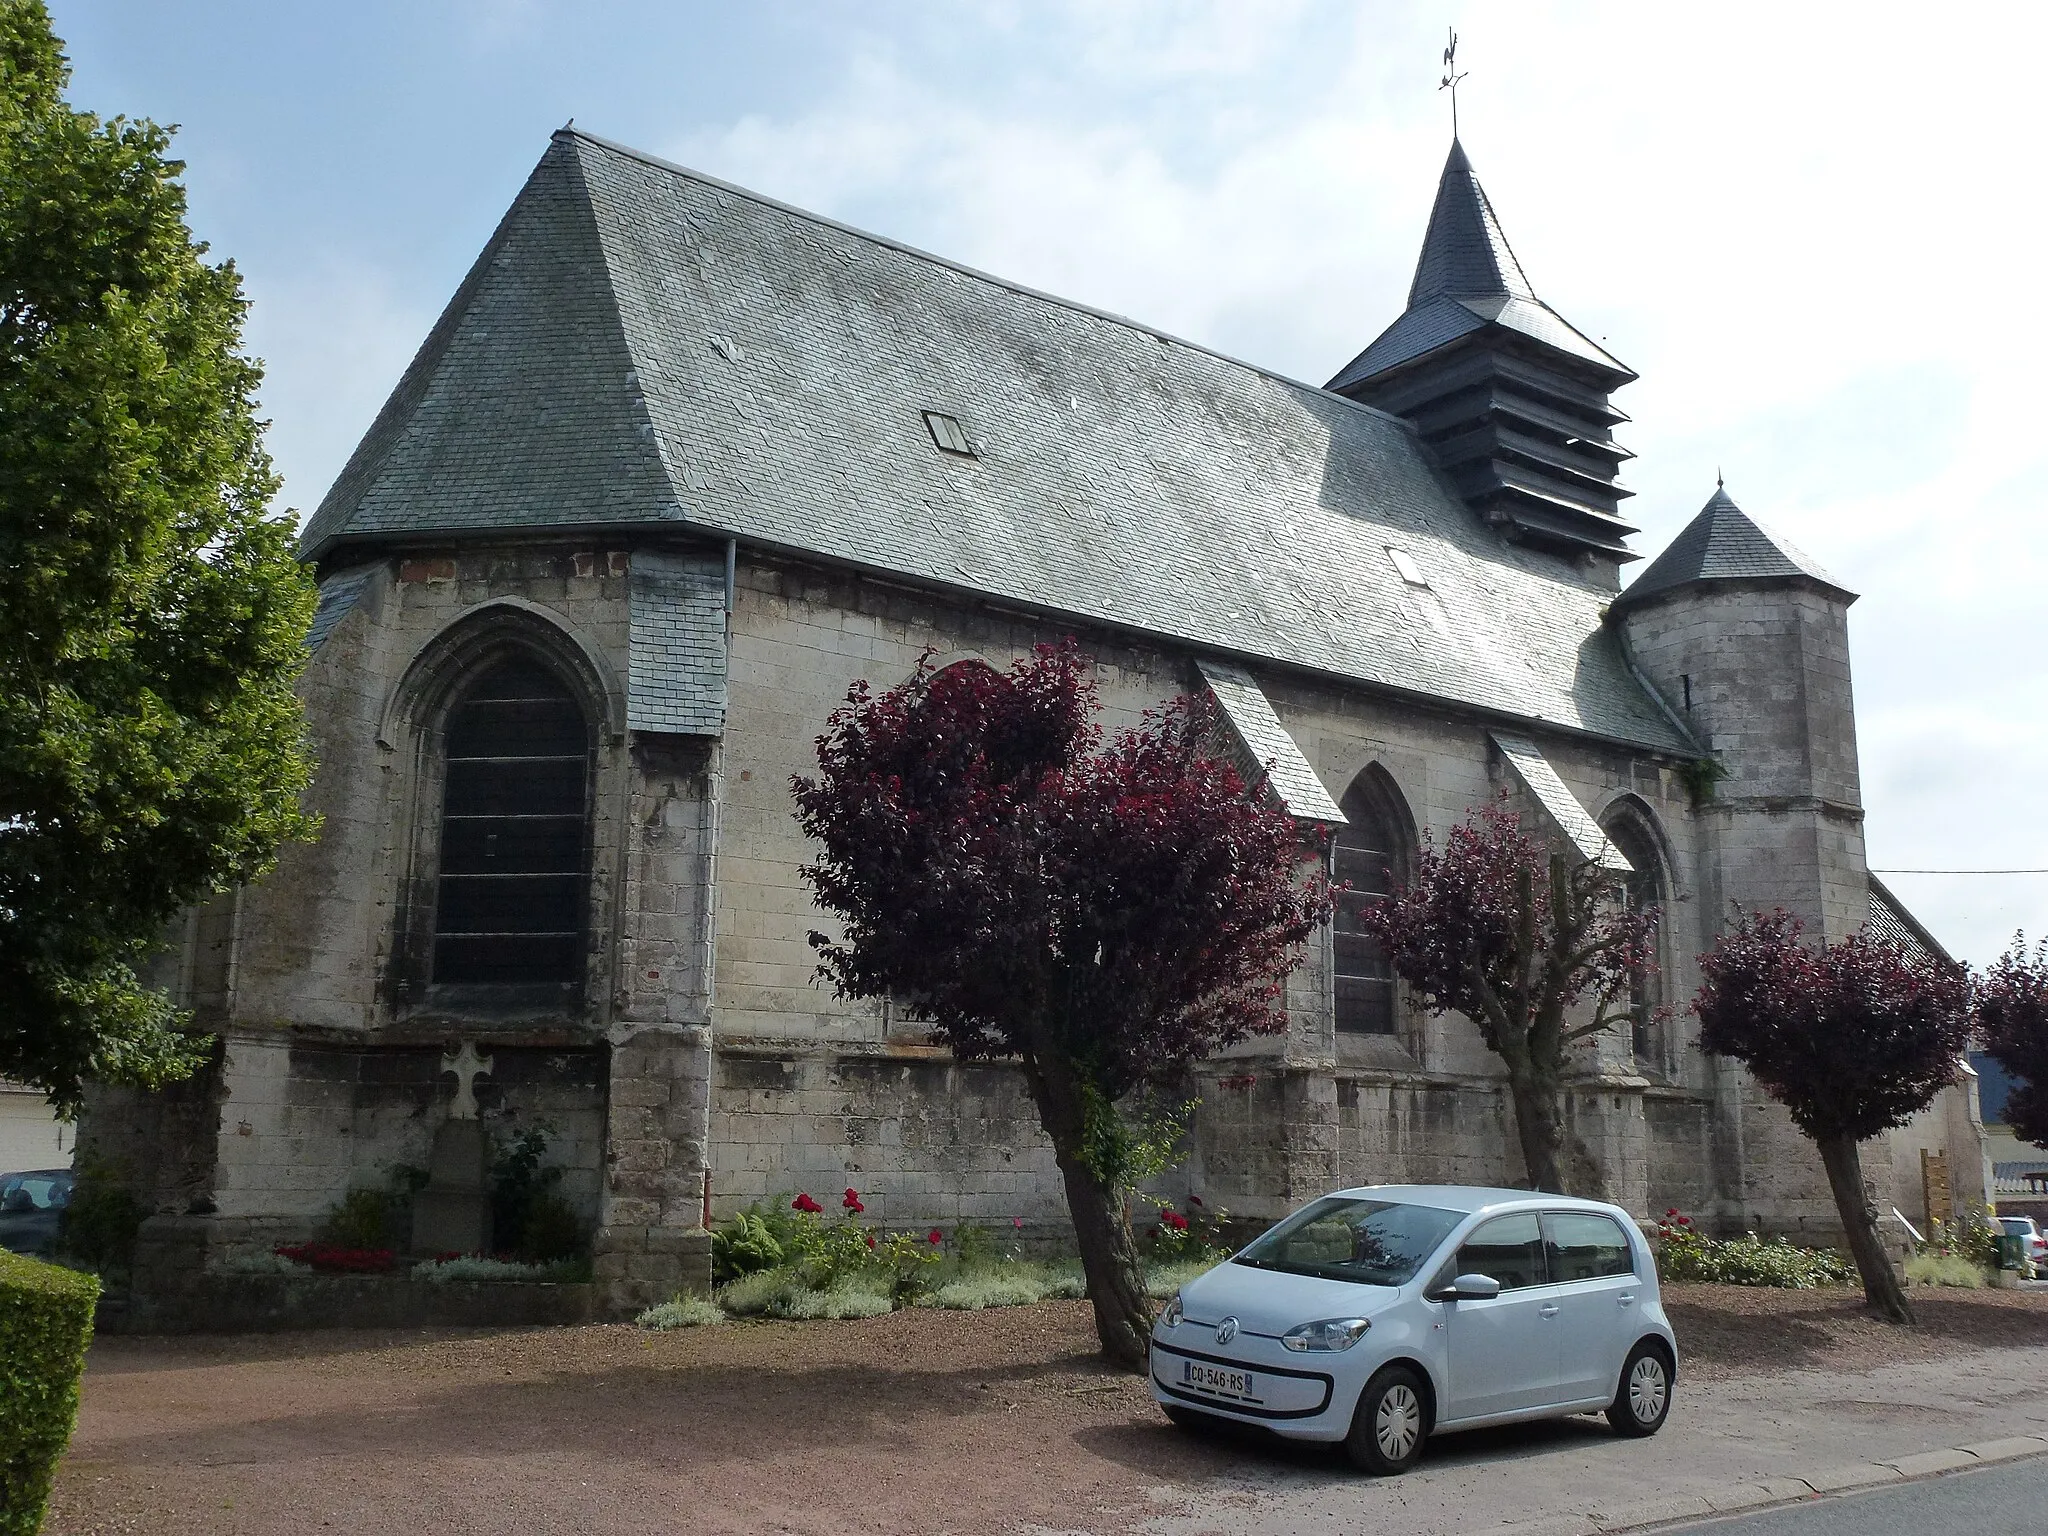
(1467,1288)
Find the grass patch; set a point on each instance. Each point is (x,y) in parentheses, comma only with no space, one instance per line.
(1162,1280)
(682,1312)
(475,1267)
(1950,1269)
(783,1293)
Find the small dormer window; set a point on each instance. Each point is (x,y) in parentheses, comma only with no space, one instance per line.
(948,434)
(1405,565)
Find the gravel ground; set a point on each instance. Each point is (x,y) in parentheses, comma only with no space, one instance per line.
(920,1421)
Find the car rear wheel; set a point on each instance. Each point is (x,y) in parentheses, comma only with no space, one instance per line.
(1390,1425)
(1643,1398)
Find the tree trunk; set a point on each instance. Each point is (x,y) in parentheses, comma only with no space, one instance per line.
(1538,1125)
(1881,1286)
(1109,1254)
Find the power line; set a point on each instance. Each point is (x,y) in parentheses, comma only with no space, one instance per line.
(1959,871)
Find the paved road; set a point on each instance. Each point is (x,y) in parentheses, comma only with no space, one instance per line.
(1731,1445)
(1998,1501)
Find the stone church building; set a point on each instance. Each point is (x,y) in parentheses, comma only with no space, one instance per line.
(679,464)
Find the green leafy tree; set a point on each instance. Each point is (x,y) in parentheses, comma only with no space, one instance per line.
(152,616)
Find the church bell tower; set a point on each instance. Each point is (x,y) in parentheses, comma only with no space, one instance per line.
(1511,399)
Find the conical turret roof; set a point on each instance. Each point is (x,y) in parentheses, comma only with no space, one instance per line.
(1466,279)
(1725,544)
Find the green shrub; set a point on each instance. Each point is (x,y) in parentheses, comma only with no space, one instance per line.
(1944,1269)
(97,1230)
(364,1218)
(786,1293)
(1972,1236)
(552,1233)
(744,1245)
(1685,1254)
(45,1325)
(682,1312)
(1017,1286)
(472,1267)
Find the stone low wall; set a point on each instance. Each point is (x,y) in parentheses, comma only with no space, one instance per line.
(216,1302)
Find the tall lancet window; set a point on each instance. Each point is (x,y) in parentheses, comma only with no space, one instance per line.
(1370,853)
(515,850)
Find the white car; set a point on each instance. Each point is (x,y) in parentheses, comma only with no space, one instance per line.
(1381,1316)
(2033,1247)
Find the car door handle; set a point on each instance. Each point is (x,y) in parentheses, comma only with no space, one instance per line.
(1550,1311)
(1625,1300)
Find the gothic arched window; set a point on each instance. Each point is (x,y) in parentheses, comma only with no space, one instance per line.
(1646,889)
(1370,853)
(515,851)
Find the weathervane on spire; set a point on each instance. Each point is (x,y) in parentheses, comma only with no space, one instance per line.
(1451,78)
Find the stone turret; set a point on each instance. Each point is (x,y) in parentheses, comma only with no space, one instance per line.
(1748,640)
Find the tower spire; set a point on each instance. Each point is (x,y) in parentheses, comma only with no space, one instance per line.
(1512,398)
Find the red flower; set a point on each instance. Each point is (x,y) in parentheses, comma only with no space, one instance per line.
(1672,1212)
(935,1237)
(806,1204)
(1685,1221)
(871,1239)
(852,1202)
(1175,1220)
(1017,1222)
(1195,1200)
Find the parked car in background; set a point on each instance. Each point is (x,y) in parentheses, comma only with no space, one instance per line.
(1383,1315)
(31,1206)
(2033,1246)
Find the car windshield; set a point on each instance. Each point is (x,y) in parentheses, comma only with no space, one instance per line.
(2017,1226)
(1352,1237)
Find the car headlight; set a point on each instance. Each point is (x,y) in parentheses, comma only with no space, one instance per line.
(1331,1334)
(1170,1314)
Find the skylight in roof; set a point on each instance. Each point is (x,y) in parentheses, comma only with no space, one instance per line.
(947,432)
(1404,563)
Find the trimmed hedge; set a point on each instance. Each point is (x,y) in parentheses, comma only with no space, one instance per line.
(45,1325)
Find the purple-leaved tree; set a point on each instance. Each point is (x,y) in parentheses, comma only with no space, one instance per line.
(1852,1038)
(2012,1022)
(1531,943)
(1107,915)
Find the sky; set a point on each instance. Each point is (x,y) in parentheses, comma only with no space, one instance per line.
(1814,231)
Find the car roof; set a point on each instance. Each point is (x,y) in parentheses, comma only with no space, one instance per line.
(1470,1198)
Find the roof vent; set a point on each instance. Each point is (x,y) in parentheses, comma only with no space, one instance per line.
(1409,571)
(947,432)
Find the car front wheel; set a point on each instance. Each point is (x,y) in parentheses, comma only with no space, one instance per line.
(1390,1425)
(1643,1398)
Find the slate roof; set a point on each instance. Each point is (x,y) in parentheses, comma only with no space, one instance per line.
(1533,769)
(338,594)
(675,654)
(1466,279)
(1724,543)
(1269,744)
(643,347)
(1889,920)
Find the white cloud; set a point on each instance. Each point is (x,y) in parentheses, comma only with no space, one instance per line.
(1810,230)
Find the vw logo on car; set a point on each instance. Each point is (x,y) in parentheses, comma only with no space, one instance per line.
(1381,1316)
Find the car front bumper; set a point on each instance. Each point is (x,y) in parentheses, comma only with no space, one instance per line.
(1299,1396)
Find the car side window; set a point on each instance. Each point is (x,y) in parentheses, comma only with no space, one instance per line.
(1584,1246)
(1508,1248)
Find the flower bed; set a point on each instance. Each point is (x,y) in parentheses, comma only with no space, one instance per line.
(1684,1253)
(331,1259)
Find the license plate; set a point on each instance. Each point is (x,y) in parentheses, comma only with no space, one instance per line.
(1217,1380)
